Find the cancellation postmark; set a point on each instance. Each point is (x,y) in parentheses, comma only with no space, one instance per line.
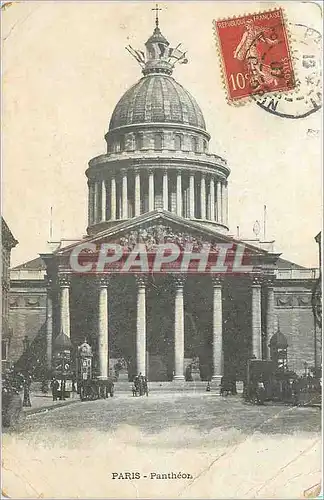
(307,60)
(255,54)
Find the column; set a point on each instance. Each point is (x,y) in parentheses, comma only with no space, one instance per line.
(217,330)
(151,190)
(212,199)
(203,196)
(90,203)
(225,203)
(49,324)
(256,318)
(64,282)
(96,204)
(124,196)
(179,194)
(137,193)
(165,190)
(178,329)
(103,201)
(191,196)
(270,317)
(219,202)
(103,327)
(141,326)
(113,198)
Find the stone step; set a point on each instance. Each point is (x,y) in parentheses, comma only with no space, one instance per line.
(176,386)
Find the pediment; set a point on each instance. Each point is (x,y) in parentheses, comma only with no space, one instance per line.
(161,227)
(154,228)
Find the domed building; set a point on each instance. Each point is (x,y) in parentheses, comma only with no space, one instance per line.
(157,185)
(157,153)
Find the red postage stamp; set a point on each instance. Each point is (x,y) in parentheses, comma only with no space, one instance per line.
(255,54)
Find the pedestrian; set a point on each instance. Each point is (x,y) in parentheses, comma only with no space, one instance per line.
(74,383)
(145,387)
(54,386)
(136,385)
(140,384)
(295,392)
(260,393)
(111,386)
(62,395)
(208,387)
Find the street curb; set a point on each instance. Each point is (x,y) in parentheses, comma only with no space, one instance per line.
(33,411)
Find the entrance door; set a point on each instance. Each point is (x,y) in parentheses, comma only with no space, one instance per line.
(157,368)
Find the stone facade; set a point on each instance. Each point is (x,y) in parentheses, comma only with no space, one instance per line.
(8,242)
(294,316)
(27,306)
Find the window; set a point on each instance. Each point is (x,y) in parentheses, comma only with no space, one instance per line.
(205,146)
(138,141)
(131,142)
(178,142)
(194,144)
(158,139)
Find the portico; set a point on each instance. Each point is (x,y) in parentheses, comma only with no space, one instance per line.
(200,314)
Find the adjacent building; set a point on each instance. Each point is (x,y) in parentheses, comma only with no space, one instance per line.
(8,242)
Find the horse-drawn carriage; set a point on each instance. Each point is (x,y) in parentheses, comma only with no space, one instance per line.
(258,386)
(91,389)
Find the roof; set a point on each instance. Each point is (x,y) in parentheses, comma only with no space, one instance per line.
(7,238)
(287,264)
(31,265)
(157,37)
(157,98)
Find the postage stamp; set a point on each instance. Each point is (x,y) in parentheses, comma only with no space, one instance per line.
(255,54)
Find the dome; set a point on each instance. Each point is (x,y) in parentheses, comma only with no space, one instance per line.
(157,98)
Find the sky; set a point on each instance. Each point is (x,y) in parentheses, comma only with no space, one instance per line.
(64,69)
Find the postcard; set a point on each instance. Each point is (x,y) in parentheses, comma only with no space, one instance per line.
(161,244)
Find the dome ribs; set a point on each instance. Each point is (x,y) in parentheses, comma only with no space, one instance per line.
(138,105)
(157,98)
(115,117)
(130,107)
(148,113)
(197,111)
(176,111)
(166,99)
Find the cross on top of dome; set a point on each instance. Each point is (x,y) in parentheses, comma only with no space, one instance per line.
(158,57)
(156,8)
